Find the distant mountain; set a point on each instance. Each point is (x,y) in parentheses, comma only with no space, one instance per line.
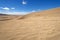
(2,14)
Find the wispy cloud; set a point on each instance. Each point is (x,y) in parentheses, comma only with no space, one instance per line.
(17,13)
(33,11)
(6,8)
(36,10)
(12,8)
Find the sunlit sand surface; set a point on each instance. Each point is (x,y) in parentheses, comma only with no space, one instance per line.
(43,25)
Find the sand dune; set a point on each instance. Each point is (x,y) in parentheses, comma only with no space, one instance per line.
(43,25)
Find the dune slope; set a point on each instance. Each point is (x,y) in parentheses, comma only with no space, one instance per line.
(43,25)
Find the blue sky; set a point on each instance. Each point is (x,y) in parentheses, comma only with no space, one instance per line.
(26,6)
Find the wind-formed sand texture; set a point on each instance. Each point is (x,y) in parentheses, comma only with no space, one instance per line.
(44,25)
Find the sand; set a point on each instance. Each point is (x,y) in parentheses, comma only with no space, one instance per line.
(43,25)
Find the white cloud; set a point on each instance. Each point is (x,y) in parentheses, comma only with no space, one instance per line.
(12,8)
(24,2)
(33,11)
(6,8)
(36,10)
(17,13)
